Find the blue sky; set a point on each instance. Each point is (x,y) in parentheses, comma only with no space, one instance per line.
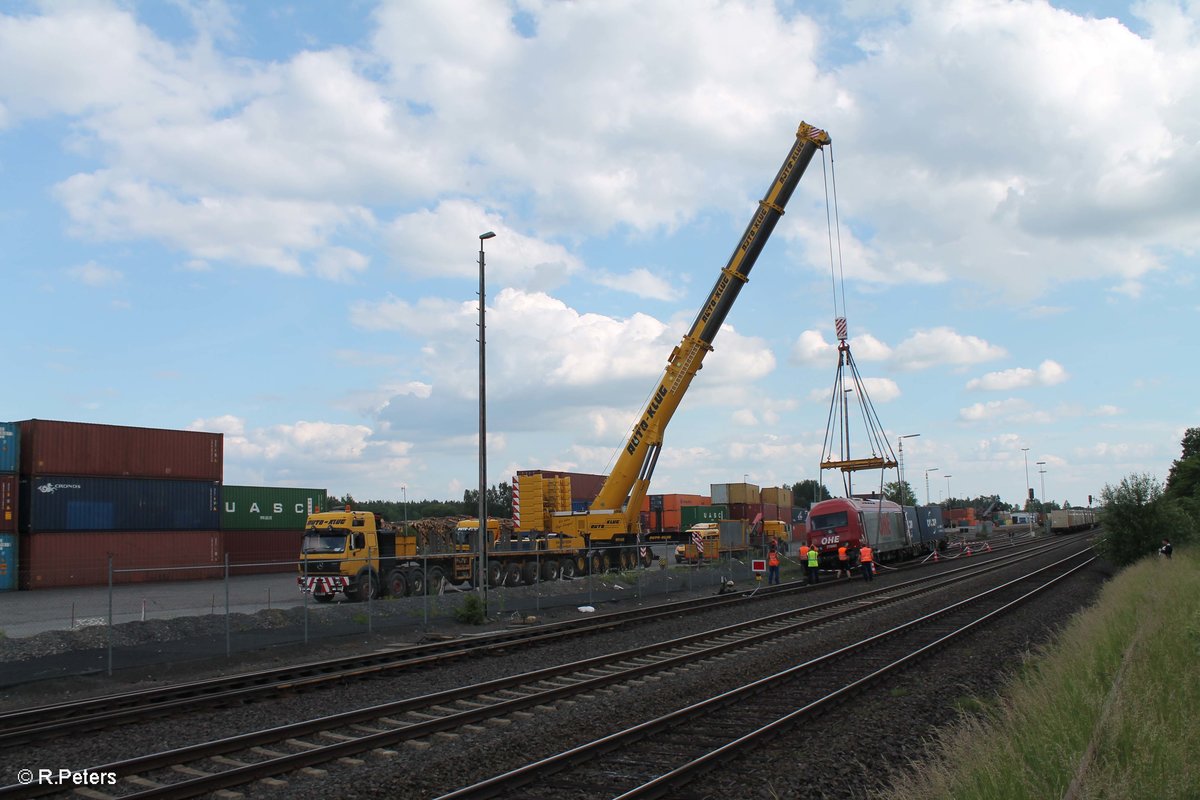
(262,219)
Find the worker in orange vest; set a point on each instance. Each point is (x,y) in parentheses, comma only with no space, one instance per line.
(773,567)
(867,560)
(843,561)
(804,553)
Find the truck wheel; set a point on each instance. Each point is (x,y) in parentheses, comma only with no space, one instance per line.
(397,584)
(550,570)
(647,558)
(416,582)
(566,569)
(436,576)
(596,562)
(495,572)
(512,574)
(529,572)
(607,560)
(365,588)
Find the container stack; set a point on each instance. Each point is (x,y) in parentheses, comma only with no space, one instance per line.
(663,513)
(262,526)
(147,497)
(9,447)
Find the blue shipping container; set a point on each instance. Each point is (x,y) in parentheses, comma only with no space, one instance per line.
(8,562)
(9,441)
(117,504)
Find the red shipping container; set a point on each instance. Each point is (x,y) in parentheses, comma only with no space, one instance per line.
(8,503)
(262,551)
(82,448)
(55,560)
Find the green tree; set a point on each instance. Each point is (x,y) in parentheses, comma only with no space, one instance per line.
(808,491)
(901,493)
(1137,515)
(499,501)
(1183,481)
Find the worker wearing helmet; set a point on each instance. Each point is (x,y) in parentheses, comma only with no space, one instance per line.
(843,561)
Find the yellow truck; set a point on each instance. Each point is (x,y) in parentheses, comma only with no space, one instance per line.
(733,538)
(360,554)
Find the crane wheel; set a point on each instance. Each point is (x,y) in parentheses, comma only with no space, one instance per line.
(512,574)
(566,568)
(495,573)
(550,569)
(529,573)
(596,563)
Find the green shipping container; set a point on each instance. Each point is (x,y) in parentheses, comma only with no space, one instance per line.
(690,515)
(252,508)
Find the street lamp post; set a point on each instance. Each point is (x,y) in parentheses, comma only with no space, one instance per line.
(1042,498)
(482,518)
(901,443)
(948,477)
(404,491)
(931,469)
(1025,505)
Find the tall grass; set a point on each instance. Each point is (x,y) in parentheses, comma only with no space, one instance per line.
(1110,712)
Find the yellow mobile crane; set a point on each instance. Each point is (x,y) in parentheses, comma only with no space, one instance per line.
(612,518)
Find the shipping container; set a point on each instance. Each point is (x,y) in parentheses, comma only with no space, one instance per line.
(81,503)
(8,504)
(55,560)
(10,440)
(663,521)
(253,552)
(734,534)
(245,508)
(692,515)
(8,562)
(673,502)
(780,496)
(584,485)
(80,448)
(730,493)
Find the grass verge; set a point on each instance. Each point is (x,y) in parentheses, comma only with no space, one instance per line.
(1111,711)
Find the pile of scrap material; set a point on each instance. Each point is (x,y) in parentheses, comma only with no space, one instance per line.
(437,533)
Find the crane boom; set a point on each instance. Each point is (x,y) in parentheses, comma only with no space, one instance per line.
(619,501)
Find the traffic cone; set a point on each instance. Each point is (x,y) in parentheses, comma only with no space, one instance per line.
(935,558)
(988,547)
(966,551)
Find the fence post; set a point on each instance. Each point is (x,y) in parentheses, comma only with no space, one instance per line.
(537,582)
(108,633)
(425,583)
(370,591)
(306,594)
(228,645)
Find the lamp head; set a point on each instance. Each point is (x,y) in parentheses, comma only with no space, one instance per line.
(487,235)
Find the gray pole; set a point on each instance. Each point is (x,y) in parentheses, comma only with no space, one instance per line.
(482,432)
(1025,505)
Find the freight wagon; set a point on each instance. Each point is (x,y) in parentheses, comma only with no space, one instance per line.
(1071,520)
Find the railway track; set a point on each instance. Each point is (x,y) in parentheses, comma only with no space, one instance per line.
(659,757)
(22,726)
(261,755)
